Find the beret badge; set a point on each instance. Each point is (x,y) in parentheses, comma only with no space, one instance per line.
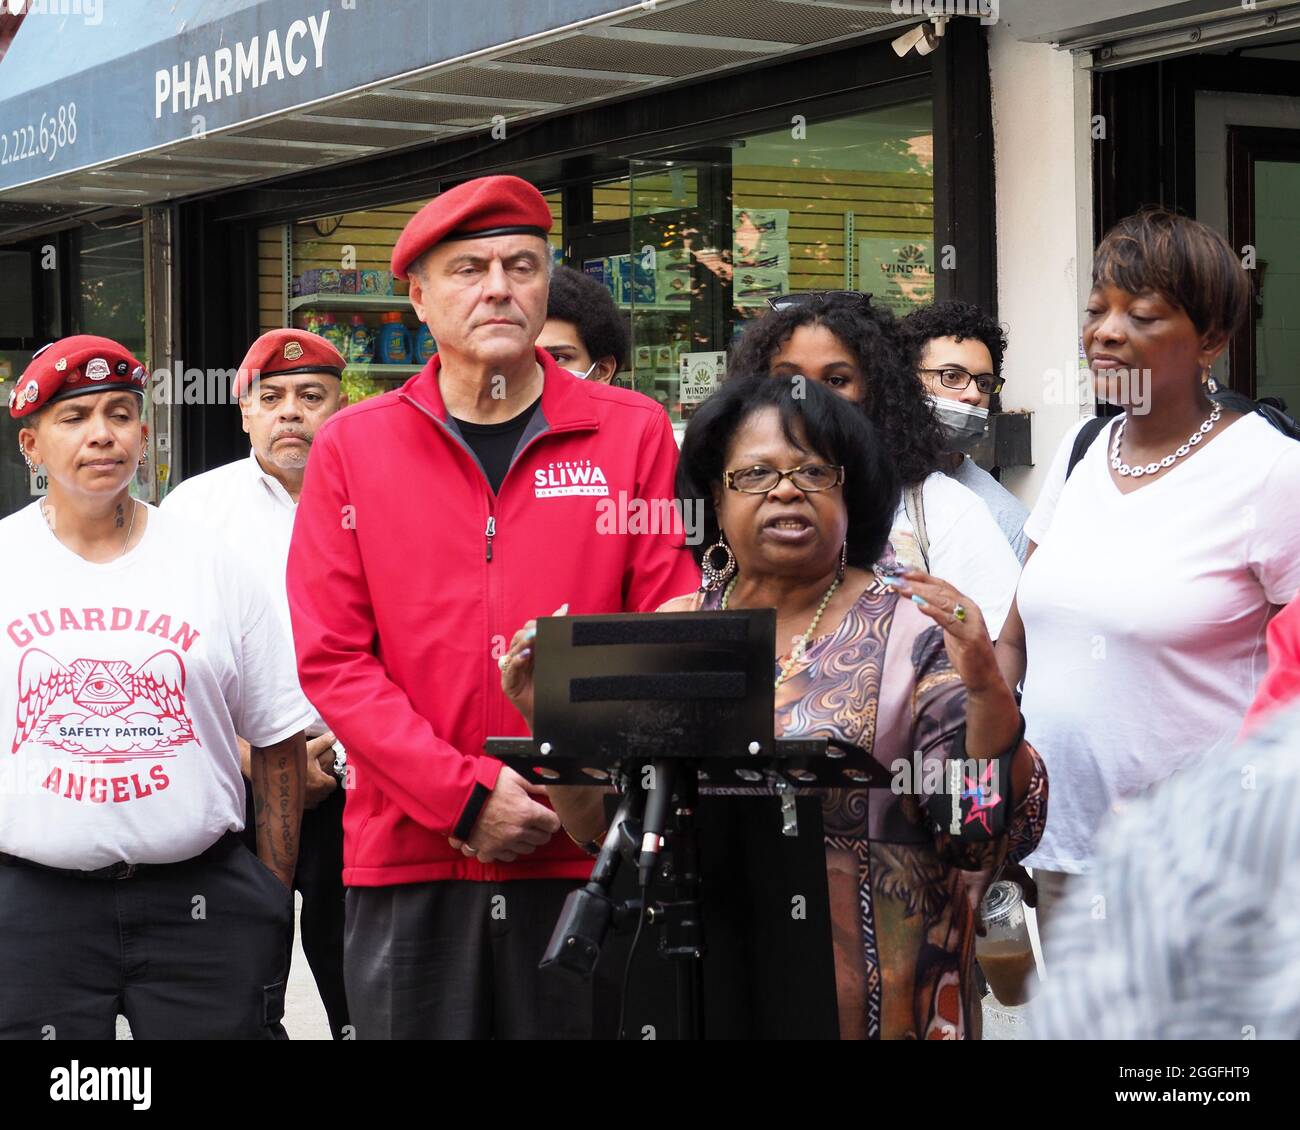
(292,351)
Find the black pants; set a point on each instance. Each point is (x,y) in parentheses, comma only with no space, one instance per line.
(458,960)
(199,950)
(319,879)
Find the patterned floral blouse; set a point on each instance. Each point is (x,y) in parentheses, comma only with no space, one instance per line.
(902,910)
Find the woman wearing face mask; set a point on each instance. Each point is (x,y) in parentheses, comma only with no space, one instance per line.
(959,349)
(1157,563)
(584,330)
(841,340)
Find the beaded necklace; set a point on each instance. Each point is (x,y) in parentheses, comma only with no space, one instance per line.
(801,644)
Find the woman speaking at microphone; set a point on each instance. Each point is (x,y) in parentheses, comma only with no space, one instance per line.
(799,499)
(135,648)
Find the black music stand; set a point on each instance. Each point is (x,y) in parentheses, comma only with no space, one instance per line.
(658,706)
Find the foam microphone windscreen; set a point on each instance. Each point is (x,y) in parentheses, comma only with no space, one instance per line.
(670,629)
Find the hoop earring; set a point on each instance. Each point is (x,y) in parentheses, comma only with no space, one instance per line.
(714,577)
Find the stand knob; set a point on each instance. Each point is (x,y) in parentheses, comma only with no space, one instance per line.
(754,747)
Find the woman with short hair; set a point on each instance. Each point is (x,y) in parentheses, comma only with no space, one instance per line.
(137,649)
(1157,562)
(798,497)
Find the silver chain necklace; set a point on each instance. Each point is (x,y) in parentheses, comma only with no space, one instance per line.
(1169,460)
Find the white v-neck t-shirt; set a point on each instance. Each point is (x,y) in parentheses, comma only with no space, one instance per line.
(1145,617)
(122,686)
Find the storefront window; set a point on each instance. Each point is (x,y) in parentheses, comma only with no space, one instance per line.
(846,204)
(109,284)
(106,265)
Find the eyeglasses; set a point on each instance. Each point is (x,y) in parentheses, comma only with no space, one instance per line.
(811,477)
(958,379)
(786,301)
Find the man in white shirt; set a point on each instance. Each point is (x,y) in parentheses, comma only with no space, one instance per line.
(288,385)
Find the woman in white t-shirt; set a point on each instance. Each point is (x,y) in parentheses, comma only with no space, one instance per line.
(1155,567)
(134,649)
(857,350)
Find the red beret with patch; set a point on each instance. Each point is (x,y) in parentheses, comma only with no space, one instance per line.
(75,366)
(482,207)
(281,352)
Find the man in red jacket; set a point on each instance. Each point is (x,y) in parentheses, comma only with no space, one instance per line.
(433,522)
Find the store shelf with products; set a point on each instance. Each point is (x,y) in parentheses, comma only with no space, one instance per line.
(384,372)
(349,302)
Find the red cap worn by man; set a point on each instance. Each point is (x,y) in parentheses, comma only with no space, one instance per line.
(434,521)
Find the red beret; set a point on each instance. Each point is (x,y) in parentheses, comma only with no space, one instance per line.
(280,352)
(477,208)
(74,366)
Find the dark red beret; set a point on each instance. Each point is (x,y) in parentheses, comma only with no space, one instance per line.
(278,353)
(482,207)
(74,366)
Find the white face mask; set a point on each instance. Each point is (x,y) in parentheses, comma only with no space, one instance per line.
(963,425)
(583,376)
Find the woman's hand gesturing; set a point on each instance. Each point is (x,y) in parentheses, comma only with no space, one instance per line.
(965,635)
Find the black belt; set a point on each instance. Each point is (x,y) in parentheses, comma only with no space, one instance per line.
(224,845)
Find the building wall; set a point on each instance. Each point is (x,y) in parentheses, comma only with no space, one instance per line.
(1042,163)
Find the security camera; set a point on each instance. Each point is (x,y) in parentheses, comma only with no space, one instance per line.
(924,38)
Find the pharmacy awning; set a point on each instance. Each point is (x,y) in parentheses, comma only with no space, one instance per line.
(132,102)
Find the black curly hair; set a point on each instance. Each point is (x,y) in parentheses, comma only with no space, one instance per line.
(962,320)
(896,402)
(578,298)
(830,426)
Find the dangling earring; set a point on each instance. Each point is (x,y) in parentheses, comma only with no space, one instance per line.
(1211,385)
(713,576)
(844,559)
(144,458)
(31,467)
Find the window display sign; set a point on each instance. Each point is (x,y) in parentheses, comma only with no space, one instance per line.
(701,374)
(897,272)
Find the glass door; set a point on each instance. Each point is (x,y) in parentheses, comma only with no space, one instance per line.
(1265,220)
(675,280)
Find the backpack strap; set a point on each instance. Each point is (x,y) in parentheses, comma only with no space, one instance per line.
(914,504)
(1089,432)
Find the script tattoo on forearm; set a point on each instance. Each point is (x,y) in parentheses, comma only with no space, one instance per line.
(277,778)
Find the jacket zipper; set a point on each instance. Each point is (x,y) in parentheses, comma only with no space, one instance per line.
(491,532)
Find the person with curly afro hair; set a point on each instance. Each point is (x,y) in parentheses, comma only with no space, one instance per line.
(584,330)
(959,350)
(858,351)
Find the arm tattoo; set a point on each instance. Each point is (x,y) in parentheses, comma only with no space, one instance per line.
(277,778)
